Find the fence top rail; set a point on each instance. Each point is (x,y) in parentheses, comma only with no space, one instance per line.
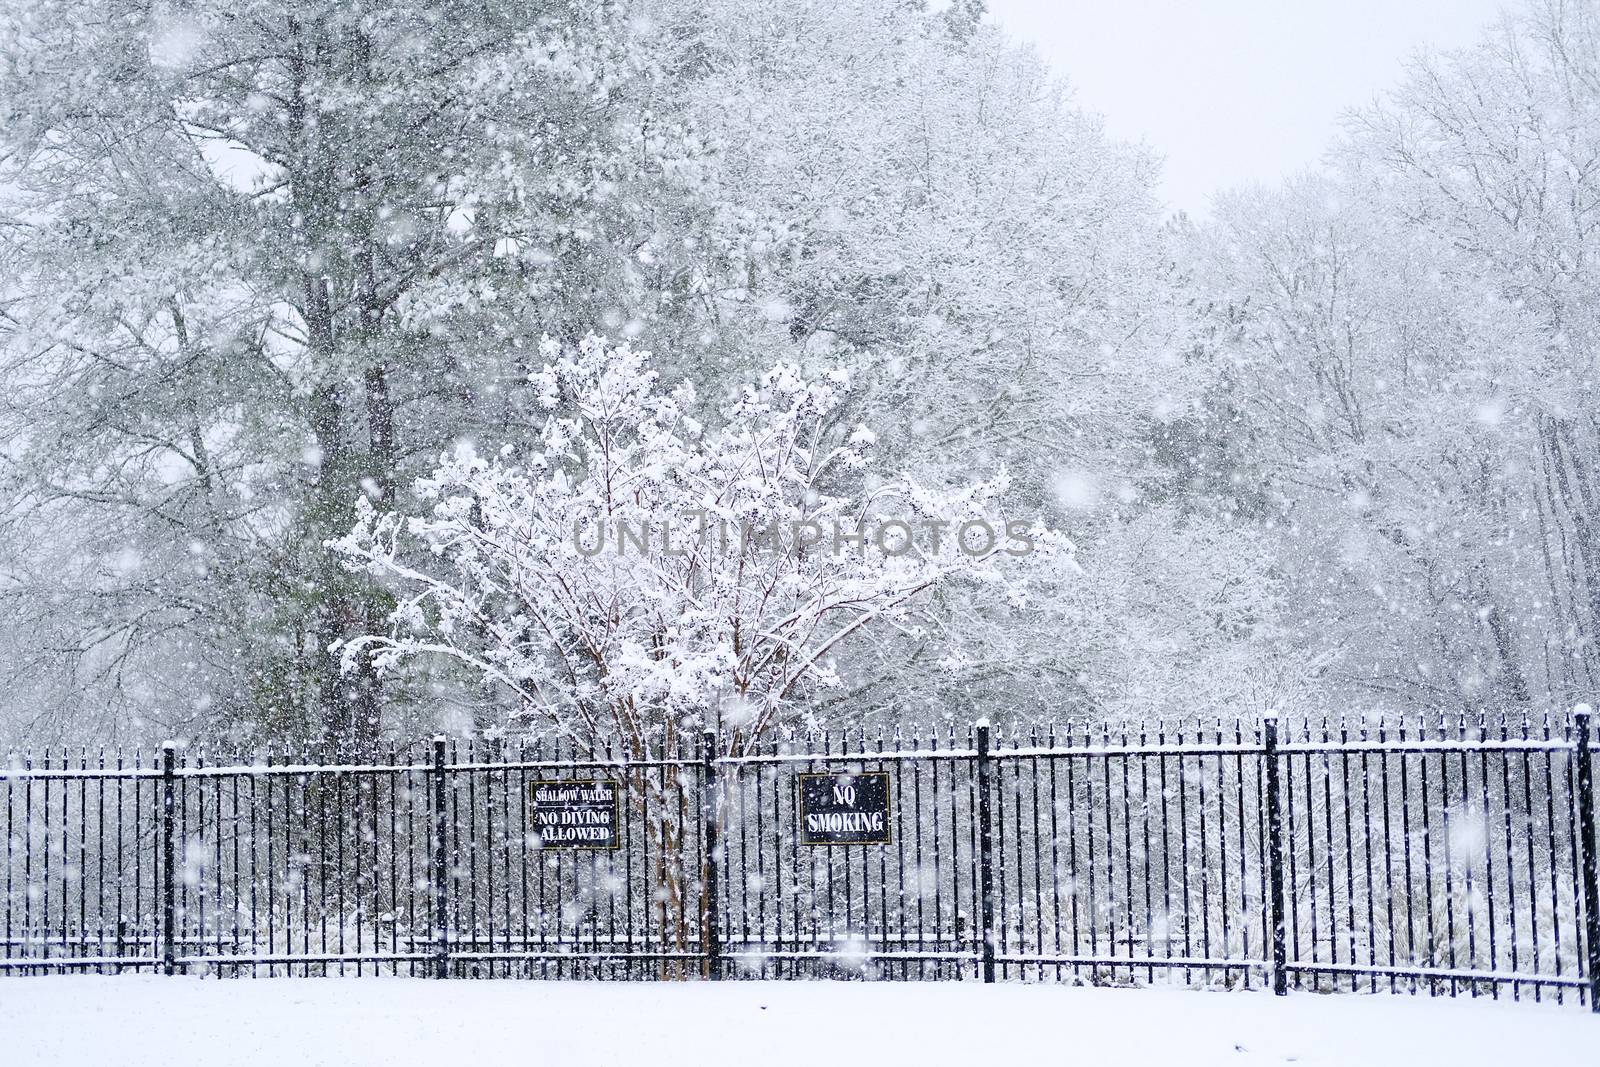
(1226,748)
(262,770)
(1297,734)
(1531,744)
(1199,748)
(10,774)
(1195,748)
(867,755)
(582,764)
(244,770)
(18,771)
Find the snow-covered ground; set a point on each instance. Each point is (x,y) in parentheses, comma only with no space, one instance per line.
(131,1021)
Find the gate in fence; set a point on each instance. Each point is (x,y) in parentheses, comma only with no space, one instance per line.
(1448,858)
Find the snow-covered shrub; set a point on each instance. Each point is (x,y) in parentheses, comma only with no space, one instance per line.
(638,573)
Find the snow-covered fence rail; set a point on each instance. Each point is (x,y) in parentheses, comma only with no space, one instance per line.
(1451,857)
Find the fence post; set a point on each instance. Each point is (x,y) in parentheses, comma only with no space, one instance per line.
(985,854)
(1586,860)
(441,872)
(711,929)
(169,882)
(1280,977)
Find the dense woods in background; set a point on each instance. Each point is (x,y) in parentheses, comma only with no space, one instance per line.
(1332,450)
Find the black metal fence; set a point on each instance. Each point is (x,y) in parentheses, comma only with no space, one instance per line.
(1452,858)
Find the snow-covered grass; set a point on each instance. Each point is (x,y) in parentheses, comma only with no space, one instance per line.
(131,1021)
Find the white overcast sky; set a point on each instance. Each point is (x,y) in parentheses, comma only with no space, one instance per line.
(1234,91)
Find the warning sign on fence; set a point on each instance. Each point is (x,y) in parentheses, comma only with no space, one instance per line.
(574,814)
(844,808)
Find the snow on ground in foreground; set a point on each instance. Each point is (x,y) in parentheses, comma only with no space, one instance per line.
(130,1021)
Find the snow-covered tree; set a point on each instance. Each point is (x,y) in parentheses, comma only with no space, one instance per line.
(1492,155)
(931,208)
(1405,358)
(256,257)
(650,567)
